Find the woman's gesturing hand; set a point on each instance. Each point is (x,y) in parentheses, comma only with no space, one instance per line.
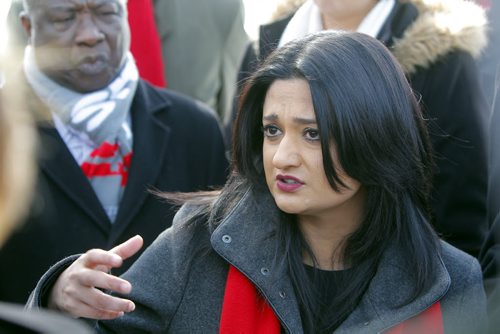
(78,291)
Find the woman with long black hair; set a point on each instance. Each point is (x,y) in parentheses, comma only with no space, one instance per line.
(436,43)
(322,226)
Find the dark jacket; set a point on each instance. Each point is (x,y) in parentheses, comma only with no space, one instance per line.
(435,45)
(490,253)
(177,146)
(179,282)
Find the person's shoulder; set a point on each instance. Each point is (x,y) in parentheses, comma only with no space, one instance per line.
(460,265)
(178,103)
(440,29)
(186,213)
(451,254)
(277,26)
(225,6)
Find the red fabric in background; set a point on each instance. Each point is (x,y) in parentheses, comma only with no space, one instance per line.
(146,45)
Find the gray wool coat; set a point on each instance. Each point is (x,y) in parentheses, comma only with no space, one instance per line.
(179,281)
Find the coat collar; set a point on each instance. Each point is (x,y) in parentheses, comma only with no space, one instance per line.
(422,31)
(441,27)
(246,238)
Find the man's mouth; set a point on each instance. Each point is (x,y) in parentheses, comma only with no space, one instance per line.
(92,65)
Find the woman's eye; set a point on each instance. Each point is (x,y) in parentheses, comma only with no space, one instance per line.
(311,134)
(271,131)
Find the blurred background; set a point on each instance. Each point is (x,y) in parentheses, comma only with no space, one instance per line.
(4,9)
(256,13)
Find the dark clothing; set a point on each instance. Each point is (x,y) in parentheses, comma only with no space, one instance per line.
(490,262)
(179,282)
(329,284)
(490,253)
(177,145)
(446,82)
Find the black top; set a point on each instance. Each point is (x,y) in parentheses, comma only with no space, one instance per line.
(328,284)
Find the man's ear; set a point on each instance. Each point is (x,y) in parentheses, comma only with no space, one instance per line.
(26,23)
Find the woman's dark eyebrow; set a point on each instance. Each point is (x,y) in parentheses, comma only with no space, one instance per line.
(300,120)
(270,118)
(304,121)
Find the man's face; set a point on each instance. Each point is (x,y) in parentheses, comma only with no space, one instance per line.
(80,44)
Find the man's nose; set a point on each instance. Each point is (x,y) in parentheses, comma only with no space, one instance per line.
(88,32)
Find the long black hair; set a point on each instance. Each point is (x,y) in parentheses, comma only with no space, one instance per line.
(364,104)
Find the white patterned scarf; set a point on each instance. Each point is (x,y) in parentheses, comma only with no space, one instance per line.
(99,117)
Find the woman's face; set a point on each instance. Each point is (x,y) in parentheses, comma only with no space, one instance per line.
(293,162)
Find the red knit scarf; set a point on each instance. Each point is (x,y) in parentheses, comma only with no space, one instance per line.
(245,311)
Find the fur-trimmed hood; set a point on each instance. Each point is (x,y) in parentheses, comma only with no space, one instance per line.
(442,26)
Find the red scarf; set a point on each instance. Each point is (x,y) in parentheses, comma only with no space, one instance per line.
(245,311)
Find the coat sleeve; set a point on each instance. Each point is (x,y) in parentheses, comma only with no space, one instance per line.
(457,112)
(490,253)
(39,296)
(158,280)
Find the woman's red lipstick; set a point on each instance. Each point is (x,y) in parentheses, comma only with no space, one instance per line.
(288,183)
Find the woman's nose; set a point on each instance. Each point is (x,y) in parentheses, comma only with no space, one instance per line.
(287,153)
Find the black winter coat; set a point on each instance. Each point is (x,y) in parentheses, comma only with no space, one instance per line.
(177,146)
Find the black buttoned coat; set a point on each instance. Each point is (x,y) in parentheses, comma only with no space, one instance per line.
(177,146)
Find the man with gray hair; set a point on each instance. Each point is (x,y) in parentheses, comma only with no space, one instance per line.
(107,138)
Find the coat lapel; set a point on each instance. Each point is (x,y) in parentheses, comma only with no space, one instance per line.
(60,166)
(252,250)
(246,239)
(150,143)
(385,303)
